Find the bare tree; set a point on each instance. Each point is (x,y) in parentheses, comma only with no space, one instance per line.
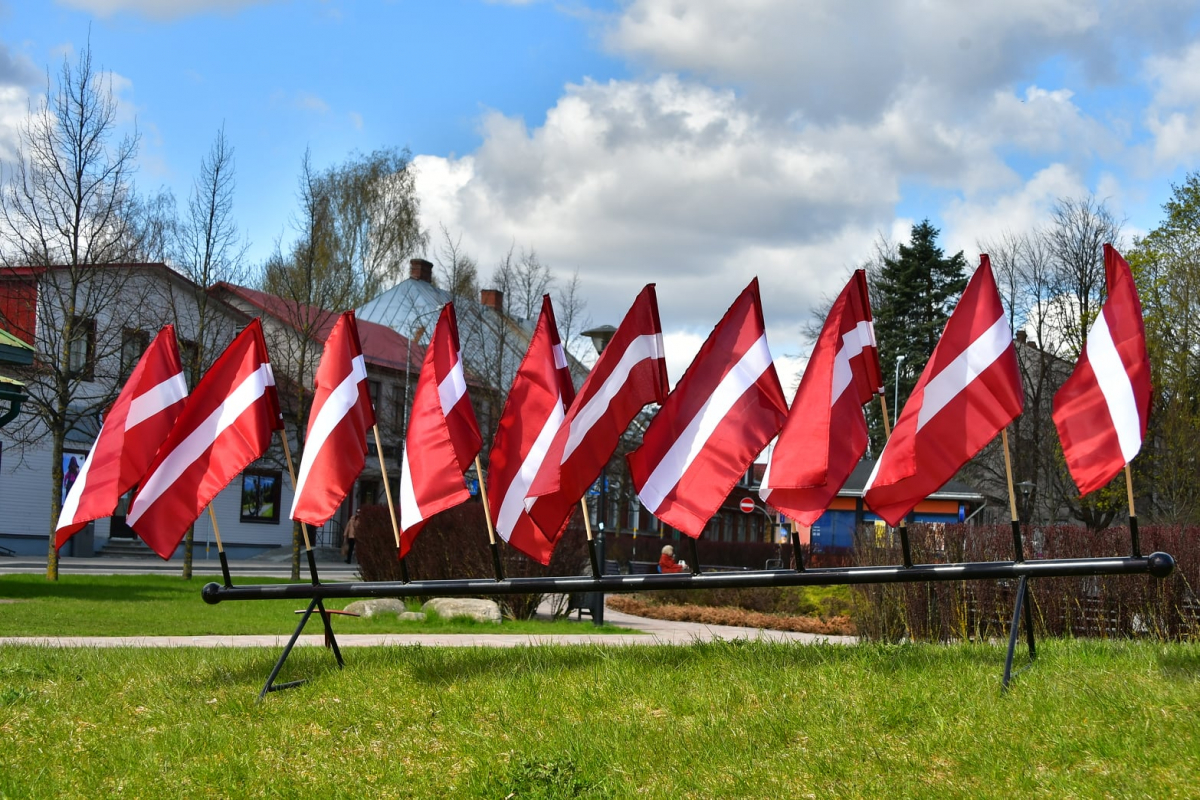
(1075,239)
(68,208)
(207,249)
(457,272)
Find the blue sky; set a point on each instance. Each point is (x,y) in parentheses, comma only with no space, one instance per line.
(695,144)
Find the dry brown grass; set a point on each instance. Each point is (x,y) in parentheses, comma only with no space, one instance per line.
(737,617)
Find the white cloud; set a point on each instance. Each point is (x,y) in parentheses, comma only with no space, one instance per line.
(160,9)
(828,59)
(306,101)
(1173,117)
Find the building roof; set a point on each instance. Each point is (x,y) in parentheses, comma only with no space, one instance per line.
(953,490)
(14,350)
(412,307)
(382,346)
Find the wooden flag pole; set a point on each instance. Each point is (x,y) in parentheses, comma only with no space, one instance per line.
(1018,548)
(312,558)
(387,489)
(1133,530)
(220,547)
(487,515)
(905,547)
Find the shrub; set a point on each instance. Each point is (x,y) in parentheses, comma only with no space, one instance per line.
(1100,606)
(454,545)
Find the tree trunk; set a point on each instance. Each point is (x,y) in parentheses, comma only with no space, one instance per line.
(56,480)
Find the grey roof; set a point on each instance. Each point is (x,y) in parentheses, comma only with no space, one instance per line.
(953,490)
(492,344)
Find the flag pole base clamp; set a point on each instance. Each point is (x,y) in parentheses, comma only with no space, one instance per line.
(1158,565)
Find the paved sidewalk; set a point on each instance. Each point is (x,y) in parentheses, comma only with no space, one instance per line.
(653,632)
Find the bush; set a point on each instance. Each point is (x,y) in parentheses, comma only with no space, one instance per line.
(454,545)
(1101,606)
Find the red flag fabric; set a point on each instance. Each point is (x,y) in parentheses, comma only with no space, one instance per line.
(970,389)
(826,433)
(137,422)
(541,392)
(628,375)
(335,449)
(443,437)
(1101,411)
(720,416)
(225,425)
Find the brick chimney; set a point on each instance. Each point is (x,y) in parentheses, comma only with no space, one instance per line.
(492,298)
(421,270)
(1022,336)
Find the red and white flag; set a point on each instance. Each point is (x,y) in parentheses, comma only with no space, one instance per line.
(628,375)
(970,390)
(536,406)
(335,449)
(225,425)
(720,416)
(137,422)
(1101,411)
(826,433)
(443,437)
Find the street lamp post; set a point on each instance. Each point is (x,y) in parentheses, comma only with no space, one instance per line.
(896,388)
(601,335)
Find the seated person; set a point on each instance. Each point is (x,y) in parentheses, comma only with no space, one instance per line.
(667,562)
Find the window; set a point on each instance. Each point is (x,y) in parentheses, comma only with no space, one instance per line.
(189,352)
(261,495)
(133,344)
(373,390)
(398,422)
(81,348)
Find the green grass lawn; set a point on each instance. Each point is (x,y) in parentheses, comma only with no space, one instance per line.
(165,605)
(1118,719)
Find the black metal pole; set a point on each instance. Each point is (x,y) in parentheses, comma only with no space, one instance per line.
(330,639)
(905,549)
(270,686)
(594,558)
(496,565)
(1013,632)
(598,598)
(224,568)
(1018,549)
(1029,621)
(695,557)
(797,552)
(1133,537)
(404,571)
(312,566)
(1157,564)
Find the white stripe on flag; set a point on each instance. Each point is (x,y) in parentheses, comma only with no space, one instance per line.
(66,515)
(1115,386)
(514,500)
(200,440)
(560,358)
(640,349)
(960,372)
(452,387)
(410,512)
(853,344)
(695,436)
(156,399)
(337,405)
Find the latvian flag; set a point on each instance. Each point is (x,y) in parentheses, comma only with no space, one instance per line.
(722,413)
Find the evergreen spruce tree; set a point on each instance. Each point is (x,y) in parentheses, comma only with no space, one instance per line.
(915,293)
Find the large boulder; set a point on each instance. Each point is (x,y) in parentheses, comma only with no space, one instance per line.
(383,605)
(447,607)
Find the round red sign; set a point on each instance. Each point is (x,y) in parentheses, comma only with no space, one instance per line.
(747,505)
